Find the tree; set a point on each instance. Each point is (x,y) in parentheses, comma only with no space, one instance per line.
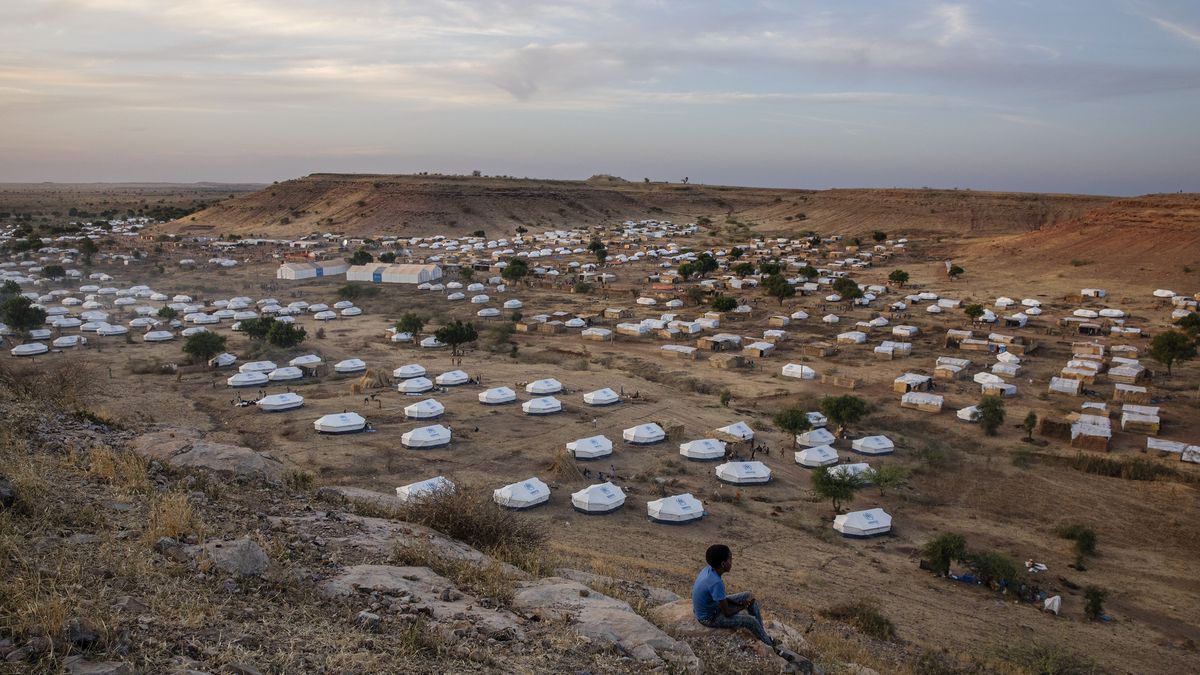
(20,314)
(257,329)
(888,476)
(705,263)
(9,289)
(808,272)
(286,335)
(695,294)
(1084,538)
(724,303)
(601,255)
(516,270)
(843,410)
(479,233)
(582,287)
(1093,605)
(769,268)
(838,487)
(1172,347)
(686,270)
(974,312)
(944,549)
(879,236)
(54,271)
(779,288)
(1030,424)
(793,421)
(898,277)
(1190,323)
(168,313)
(388,257)
(847,288)
(521,229)
(955,272)
(410,323)
(456,333)
(466,273)
(991,414)
(994,568)
(87,249)
(736,253)
(203,346)
(742,270)
(361,257)
(725,397)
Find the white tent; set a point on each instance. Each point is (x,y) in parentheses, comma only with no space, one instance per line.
(415,385)
(815,437)
(425,410)
(599,397)
(592,447)
(873,445)
(350,366)
(861,524)
(431,343)
(280,402)
(286,373)
(29,349)
(675,510)
(598,499)
(252,379)
(257,367)
(644,434)
(452,378)
(968,414)
(222,360)
(416,490)
(703,450)
(497,396)
(158,336)
(340,423)
(546,405)
(306,361)
(434,436)
(409,371)
(799,371)
(68,341)
(821,455)
(738,431)
(543,387)
(743,473)
(523,495)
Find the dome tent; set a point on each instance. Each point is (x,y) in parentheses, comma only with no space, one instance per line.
(497,396)
(598,499)
(738,431)
(280,402)
(815,437)
(543,387)
(340,423)
(525,494)
(251,379)
(452,378)
(546,405)
(422,488)
(862,524)
(257,367)
(592,447)
(821,455)
(601,397)
(285,373)
(703,450)
(425,410)
(744,473)
(873,445)
(644,434)
(675,509)
(409,371)
(434,436)
(414,385)
(349,366)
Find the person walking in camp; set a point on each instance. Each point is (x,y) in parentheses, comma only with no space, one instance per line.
(714,608)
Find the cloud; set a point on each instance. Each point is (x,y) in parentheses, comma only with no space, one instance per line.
(955,24)
(1190,34)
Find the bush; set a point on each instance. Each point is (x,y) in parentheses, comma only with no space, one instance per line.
(286,335)
(582,287)
(725,398)
(991,414)
(994,568)
(1093,606)
(943,550)
(473,518)
(203,346)
(864,615)
(724,303)
(1084,538)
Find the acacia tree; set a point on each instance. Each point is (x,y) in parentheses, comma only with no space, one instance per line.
(742,270)
(1030,424)
(793,421)
(1172,347)
(808,272)
(847,288)
(516,270)
(168,313)
(456,334)
(410,323)
(955,272)
(888,476)
(466,273)
(991,414)
(843,410)
(21,315)
(838,487)
(974,312)
(361,257)
(736,253)
(286,334)
(54,271)
(724,303)
(879,235)
(203,346)
(779,288)
(898,277)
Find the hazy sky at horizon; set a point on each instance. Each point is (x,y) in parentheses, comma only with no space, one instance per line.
(1096,96)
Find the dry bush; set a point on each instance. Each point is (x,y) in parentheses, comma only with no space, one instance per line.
(562,467)
(125,470)
(27,473)
(171,515)
(150,367)
(473,518)
(63,385)
(865,616)
(482,581)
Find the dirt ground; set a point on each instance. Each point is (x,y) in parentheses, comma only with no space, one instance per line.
(785,548)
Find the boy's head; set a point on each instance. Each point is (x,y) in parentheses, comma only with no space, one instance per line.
(719,557)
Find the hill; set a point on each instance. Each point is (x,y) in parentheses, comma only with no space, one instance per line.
(373,205)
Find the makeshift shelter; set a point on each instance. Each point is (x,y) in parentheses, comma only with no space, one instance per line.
(968,414)
(340,423)
(1128,393)
(911,382)
(923,401)
(280,402)
(1064,385)
(598,499)
(497,396)
(406,493)
(1092,432)
(873,445)
(1140,419)
(675,510)
(821,455)
(644,434)
(592,447)
(522,495)
(423,438)
(545,405)
(703,450)
(743,473)
(863,524)
(798,371)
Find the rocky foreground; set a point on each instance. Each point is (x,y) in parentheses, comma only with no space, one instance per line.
(159,551)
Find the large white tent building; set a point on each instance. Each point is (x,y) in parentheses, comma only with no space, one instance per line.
(394,274)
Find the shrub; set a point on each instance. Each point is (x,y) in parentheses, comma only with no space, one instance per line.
(843,410)
(991,414)
(724,303)
(725,398)
(1093,606)
(1084,538)
(888,476)
(203,346)
(286,335)
(473,518)
(838,487)
(792,420)
(361,257)
(864,615)
(991,568)
(582,287)
(171,515)
(943,550)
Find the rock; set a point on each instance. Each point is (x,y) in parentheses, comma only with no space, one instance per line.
(243,557)
(82,632)
(82,538)
(367,620)
(605,620)
(653,595)
(127,603)
(425,590)
(184,449)
(80,666)
(20,654)
(8,493)
(678,619)
(239,668)
(341,494)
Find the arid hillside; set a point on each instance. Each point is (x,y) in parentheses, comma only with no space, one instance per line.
(373,205)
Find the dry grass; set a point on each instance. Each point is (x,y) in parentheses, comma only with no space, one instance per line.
(482,581)
(471,517)
(125,470)
(171,515)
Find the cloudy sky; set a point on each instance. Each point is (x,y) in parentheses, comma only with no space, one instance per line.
(1096,96)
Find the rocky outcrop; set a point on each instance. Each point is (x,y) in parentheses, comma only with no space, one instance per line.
(241,557)
(604,620)
(418,590)
(652,595)
(677,619)
(343,494)
(184,449)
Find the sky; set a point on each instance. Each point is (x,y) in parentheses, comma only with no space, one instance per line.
(1088,96)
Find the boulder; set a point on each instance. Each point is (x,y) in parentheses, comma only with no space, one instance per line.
(678,619)
(243,557)
(653,595)
(341,494)
(420,590)
(605,620)
(184,449)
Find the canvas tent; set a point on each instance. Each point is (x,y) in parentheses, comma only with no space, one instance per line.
(862,524)
(738,431)
(434,436)
(280,402)
(497,396)
(873,445)
(815,437)
(546,405)
(644,434)
(425,487)
(703,450)
(821,455)
(598,499)
(675,510)
(601,397)
(414,385)
(592,447)
(340,423)
(425,410)
(543,387)
(743,473)
(522,495)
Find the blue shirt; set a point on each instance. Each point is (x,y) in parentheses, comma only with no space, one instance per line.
(707,594)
